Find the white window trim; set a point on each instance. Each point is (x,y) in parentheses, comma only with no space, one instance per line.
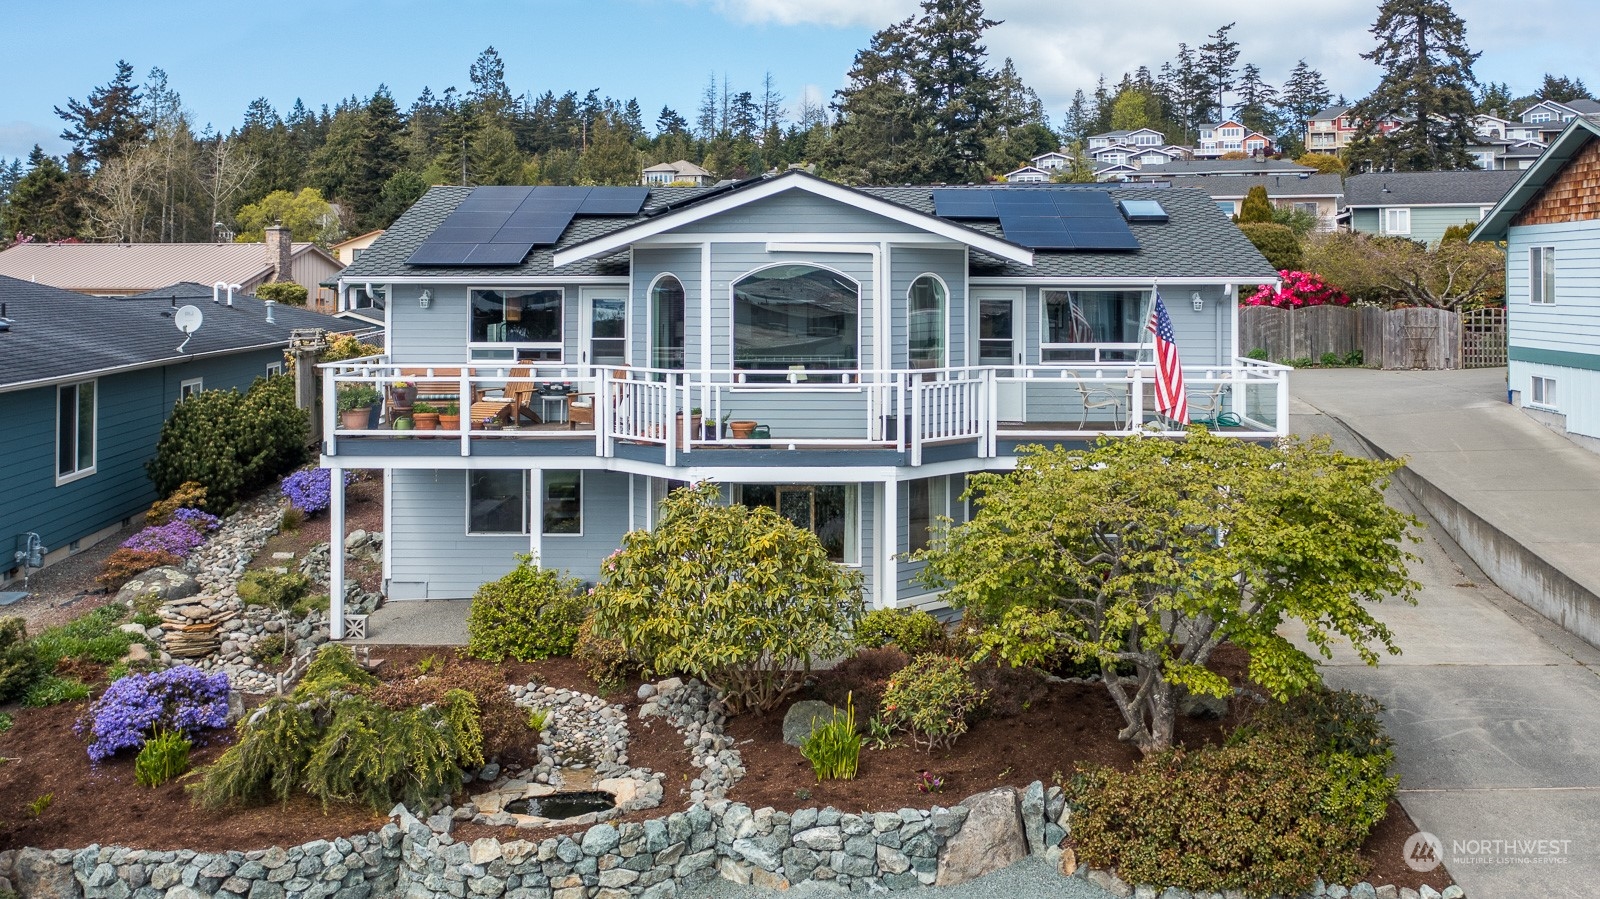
(1045,346)
(650,318)
(852,513)
(1536,263)
(940,501)
(560,346)
(275,369)
(191,386)
(944,286)
(544,495)
(94,439)
(1546,391)
(868,314)
(1389,211)
(466,509)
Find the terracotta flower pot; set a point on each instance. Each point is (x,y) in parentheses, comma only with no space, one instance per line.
(742,429)
(695,429)
(425,421)
(449,422)
(355,419)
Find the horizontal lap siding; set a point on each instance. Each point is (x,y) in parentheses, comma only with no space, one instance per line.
(732,261)
(1572,324)
(799,415)
(1577,393)
(647,265)
(428,543)
(131,410)
(906,265)
(799,212)
(605,521)
(436,334)
(1428,223)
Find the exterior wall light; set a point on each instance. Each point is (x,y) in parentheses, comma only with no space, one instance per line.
(426,298)
(1196,301)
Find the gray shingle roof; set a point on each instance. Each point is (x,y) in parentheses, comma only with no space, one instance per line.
(57,333)
(1332,112)
(1276,185)
(1467,188)
(1198,241)
(1225,167)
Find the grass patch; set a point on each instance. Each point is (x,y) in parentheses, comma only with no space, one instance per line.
(92,638)
(53,690)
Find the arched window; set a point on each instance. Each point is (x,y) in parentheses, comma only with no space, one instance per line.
(927,305)
(666,323)
(795,316)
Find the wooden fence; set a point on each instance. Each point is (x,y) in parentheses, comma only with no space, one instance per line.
(1395,338)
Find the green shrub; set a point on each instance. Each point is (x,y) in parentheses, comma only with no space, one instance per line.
(316,602)
(269,650)
(95,637)
(914,631)
(164,756)
(6,722)
(230,443)
(291,520)
(1256,208)
(1289,797)
(334,668)
(287,292)
(1259,354)
(20,664)
(53,690)
(269,588)
(738,597)
(607,662)
(1276,242)
(532,613)
(189,495)
(931,698)
(834,748)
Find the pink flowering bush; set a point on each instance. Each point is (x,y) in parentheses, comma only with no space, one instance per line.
(1297,290)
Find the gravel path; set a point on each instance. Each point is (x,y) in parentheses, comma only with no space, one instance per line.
(1030,878)
(65,590)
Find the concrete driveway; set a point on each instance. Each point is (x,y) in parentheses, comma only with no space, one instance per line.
(1495,711)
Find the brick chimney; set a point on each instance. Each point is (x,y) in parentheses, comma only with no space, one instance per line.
(280,247)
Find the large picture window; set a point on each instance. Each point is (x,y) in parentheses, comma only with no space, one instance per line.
(926,306)
(529,320)
(795,316)
(563,503)
(827,510)
(497,502)
(1080,324)
(75,430)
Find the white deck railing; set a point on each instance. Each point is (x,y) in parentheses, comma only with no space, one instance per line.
(903,410)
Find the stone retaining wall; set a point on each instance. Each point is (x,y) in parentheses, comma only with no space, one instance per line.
(420,860)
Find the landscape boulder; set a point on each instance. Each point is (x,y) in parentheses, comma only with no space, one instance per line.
(991,838)
(804,717)
(165,583)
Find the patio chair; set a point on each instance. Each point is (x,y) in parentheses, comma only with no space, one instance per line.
(580,410)
(1102,396)
(522,395)
(1206,407)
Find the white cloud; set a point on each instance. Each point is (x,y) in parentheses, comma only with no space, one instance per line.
(837,13)
(17,139)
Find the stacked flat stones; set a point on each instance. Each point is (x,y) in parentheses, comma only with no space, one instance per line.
(190,628)
(317,566)
(695,712)
(581,731)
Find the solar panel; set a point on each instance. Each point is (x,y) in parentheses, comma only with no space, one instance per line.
(499,225)
(1043,218)
(614,201)
(1143,211)
(964,204)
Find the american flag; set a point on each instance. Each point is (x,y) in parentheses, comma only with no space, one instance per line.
(1171,400)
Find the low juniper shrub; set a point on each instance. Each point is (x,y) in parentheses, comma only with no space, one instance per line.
(182,699)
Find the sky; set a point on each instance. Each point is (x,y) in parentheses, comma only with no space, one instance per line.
(221,54)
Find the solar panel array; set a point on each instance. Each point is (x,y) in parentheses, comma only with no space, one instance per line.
(499,225)
(1043,219)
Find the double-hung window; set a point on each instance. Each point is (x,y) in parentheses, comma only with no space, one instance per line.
(517,325)
(190,387)
(75,430)
(1542,276)
(1092,325)
(1397,221)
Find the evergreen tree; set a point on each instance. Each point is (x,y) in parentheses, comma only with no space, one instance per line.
(1192,92)
(108,123)
(1304,95)
(44,203)
(952,81)
(611,158)
(1256,108)
(1075,124)
(493,157)
(489,90)
(1103,102)
(669,122)
(879,115)
(1427,80)
(1256,208)
(1217,63)
(1079,168)
(1562,89)
(1495,99)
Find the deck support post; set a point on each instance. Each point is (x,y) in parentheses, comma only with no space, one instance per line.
(889,546)
(336,553)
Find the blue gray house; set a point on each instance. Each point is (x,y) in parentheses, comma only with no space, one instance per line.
(1550,223)
(87,382)
(1421,205)
(846,356)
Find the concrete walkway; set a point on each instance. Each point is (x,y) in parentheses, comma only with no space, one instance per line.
(1495,709)
(433,622)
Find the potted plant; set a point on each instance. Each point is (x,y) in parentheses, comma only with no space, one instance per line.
(450,417)
(355,404)
(742,429)
(696,429)
(426,416)
(401,395)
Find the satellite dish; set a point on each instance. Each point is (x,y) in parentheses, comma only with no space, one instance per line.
(188,319)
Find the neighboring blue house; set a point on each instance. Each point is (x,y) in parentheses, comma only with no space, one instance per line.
(1421,205)
(846,356)
(86,383)
(1550,222)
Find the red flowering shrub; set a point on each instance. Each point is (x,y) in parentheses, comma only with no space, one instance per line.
(1297,289)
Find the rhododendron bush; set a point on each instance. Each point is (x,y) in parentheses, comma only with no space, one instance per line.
(1297,290)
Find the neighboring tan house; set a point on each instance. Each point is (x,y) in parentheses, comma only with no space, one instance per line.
(1320,195)
(1421,205)
(87,381)
(847,356)
(1550,223)
(679,173)
(1027,175)
(348,251)
(121,269)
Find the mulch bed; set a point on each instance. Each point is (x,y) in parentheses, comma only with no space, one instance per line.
(1041,732)
(363,511)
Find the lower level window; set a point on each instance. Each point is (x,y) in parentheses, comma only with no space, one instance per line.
(928,500)
(563,503)
(1544,391)
(497,502)
(75,430)
(827,510)
(190,387)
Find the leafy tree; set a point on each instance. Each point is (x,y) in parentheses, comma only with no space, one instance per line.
(1324,163)
(1256,206)
(1217,63)
(108,123)
(306,214)
(1079,168)
(1428,80)
(1452,275)
(740,598)
(1152,553)
(1130,111)
(1276,242)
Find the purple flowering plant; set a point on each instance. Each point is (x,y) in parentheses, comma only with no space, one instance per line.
(310,489)
(180,536)
(182,699)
